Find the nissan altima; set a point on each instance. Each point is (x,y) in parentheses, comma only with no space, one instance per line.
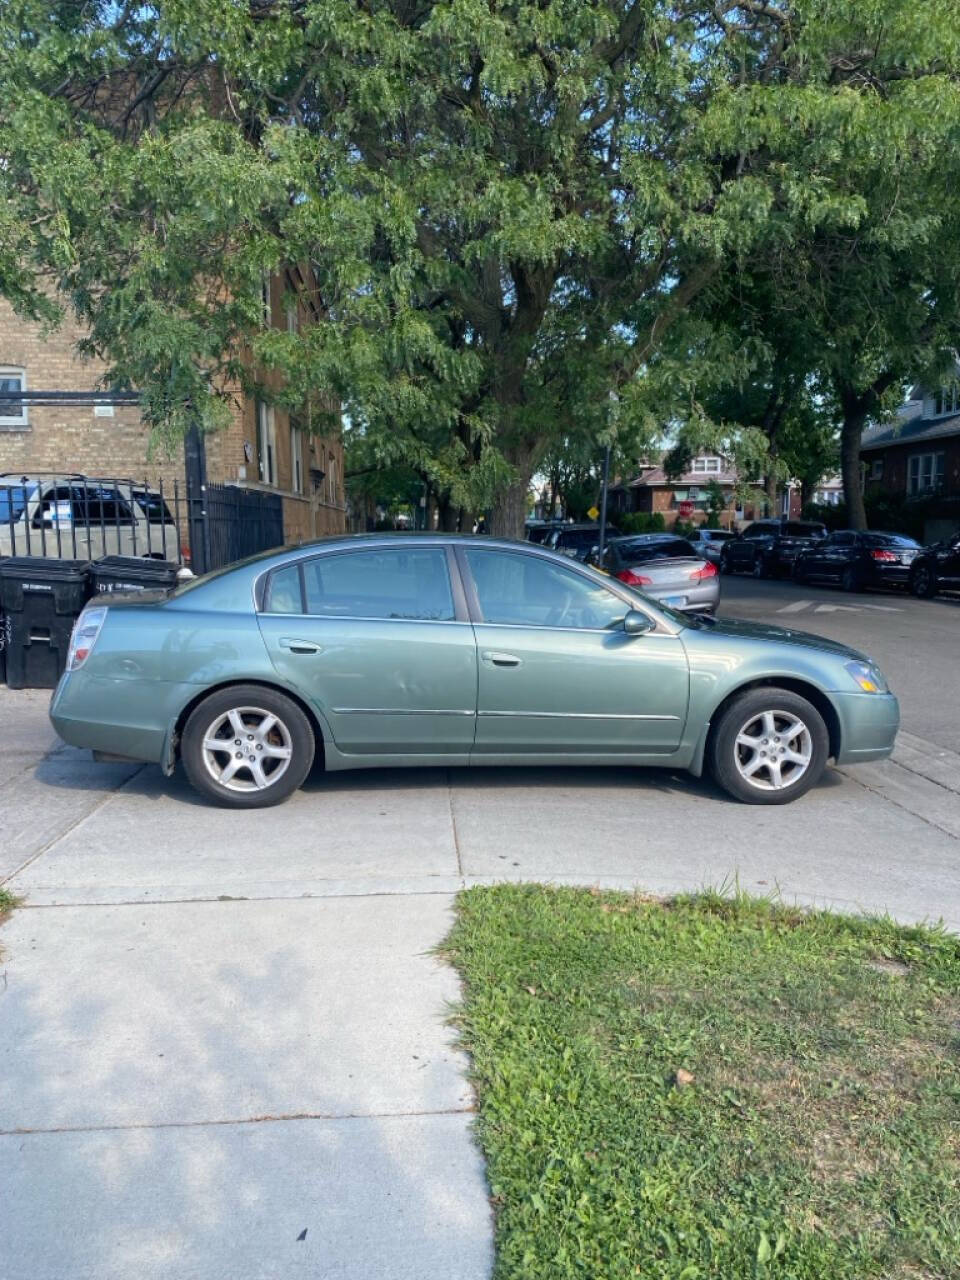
(410,649)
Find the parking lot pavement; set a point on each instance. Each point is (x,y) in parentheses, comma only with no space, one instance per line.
(219,1029)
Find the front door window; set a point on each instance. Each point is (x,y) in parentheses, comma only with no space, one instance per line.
(515,589)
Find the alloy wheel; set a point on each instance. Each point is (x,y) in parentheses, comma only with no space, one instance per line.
(773,750)
(247,749)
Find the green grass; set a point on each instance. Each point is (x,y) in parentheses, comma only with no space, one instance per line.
(819,1139)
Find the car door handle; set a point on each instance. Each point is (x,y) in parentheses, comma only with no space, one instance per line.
(494,659)
(299,646)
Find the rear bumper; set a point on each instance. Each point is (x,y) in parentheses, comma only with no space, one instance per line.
(868,726)
(123,718)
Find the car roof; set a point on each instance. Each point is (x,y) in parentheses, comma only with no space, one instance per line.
(650,537)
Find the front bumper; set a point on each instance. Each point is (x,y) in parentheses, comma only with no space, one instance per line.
(868,726)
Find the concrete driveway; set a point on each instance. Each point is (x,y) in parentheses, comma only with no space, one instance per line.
(219,1031)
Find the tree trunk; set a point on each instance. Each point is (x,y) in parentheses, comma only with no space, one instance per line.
(851,432)
(449,514)
(770,487)
(509,510)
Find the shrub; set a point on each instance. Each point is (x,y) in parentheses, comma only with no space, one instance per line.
(641,522)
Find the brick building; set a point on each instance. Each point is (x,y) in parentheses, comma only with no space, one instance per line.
(684,497)
(917,457)
(262,447)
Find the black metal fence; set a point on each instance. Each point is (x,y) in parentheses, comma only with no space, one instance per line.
(240,522)
(78,517)
(81,517)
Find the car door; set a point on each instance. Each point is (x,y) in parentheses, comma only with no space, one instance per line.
(839,551)
(379,640)
(557,673)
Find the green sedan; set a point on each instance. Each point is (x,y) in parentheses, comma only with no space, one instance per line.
(379,651)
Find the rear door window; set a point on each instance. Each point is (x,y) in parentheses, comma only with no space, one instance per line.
(395,582)
(642,552)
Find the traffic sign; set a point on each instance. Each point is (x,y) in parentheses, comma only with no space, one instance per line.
(593,513)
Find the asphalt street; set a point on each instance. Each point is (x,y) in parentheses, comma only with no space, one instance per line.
(223,1040)
(916,642)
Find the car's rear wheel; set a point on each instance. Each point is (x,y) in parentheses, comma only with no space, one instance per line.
(247,747)
(770,746)
(923,582)
(725,565)
(850,581)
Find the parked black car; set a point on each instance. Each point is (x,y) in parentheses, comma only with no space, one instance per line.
(577,540)
(767,548)
(936,568)
(858,560)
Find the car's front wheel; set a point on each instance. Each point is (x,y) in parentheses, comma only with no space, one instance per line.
(770,746)
(247,747)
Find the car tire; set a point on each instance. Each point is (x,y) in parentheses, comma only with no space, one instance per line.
(923,583)
(850,579)
(725,566)
(757,714)
(265,730)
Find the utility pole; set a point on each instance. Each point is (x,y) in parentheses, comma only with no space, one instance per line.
(603,502)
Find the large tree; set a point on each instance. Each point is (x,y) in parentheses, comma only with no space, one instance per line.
(506,207)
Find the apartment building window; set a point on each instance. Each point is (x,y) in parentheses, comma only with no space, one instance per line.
(13,413)
(332,479)
(706,466)
(948,400)
(266,443)
(296,458)
(926,472)
(876,469)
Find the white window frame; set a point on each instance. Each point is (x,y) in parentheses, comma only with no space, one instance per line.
(946,401)
(709,466)
(266,443)
(22,418)
(925,471)
(296,458)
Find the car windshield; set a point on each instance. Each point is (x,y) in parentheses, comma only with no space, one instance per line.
(642,552)
(716,535)
(582,537)
(13,500)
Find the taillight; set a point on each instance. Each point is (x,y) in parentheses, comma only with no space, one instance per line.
(708,571)
(634,579)
(883,555)
(84,637)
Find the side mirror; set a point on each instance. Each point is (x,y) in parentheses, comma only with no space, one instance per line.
(637,623)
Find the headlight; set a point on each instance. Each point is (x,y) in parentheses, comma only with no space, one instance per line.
(868,677)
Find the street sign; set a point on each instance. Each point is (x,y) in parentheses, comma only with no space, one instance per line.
(593,513)
(685,510)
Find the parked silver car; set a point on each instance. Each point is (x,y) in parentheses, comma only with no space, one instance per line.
(709,542)
(666,568)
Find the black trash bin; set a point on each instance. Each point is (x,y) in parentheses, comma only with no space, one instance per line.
(40,599)
(132,573)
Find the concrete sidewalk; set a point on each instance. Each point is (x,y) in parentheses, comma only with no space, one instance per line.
(221,1029)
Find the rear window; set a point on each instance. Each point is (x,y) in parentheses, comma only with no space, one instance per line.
(888,540)
(716,535)
(152,506)
(641,552)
